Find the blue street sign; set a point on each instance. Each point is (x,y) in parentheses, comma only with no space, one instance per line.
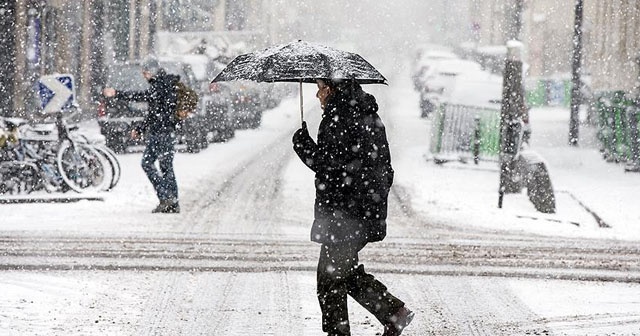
(57,92)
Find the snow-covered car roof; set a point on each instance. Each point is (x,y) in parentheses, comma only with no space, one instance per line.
(481,89)
(434,55)
(126,76)
(442,74)
(456,66)
(198,63)
(427,58)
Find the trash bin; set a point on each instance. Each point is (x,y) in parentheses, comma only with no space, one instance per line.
(536,93)
(614,125)
(548,92)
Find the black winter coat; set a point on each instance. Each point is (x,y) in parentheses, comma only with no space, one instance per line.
(353,172)
(162,98)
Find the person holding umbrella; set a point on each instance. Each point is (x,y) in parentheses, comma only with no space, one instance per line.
(352,168)
(353,176)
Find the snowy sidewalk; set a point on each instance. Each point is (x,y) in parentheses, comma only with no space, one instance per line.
(603,187)
(467,194)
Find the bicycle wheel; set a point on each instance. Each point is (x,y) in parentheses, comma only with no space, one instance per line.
(82,168)
(114,164)
(109,172)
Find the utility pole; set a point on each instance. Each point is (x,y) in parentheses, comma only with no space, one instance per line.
(98,49)
(576,82)
(64,46)
(144,29)
(84,82)
(516,20)
(20,89)
(510,120)
(7,56)
(133,30)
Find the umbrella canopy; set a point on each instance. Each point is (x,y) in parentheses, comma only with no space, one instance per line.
(300,61)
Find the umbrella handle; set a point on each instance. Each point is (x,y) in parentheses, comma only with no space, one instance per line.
(301,112)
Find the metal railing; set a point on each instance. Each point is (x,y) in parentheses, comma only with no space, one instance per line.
(463,132)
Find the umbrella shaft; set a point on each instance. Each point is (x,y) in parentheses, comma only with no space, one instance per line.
(301,111)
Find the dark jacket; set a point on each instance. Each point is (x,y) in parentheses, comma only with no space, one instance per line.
(162,98)
(352,166)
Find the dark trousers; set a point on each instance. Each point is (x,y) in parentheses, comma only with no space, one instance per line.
(160,147)
(338,275)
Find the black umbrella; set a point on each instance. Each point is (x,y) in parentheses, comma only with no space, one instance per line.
(302,62)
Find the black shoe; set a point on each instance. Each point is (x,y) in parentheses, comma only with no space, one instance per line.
(167,207)
(160,207)
(172,207)
(398,321)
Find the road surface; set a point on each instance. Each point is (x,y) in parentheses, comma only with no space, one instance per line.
(238,261)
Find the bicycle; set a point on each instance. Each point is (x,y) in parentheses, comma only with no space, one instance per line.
(80,165)
(55,164)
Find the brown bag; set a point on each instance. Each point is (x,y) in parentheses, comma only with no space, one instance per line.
(187,101)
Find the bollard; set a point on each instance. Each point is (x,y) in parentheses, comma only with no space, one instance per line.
(510,117)
(633,164)
(476,141)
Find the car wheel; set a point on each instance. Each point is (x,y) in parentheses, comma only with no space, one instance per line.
(116,144)
(203,142)
(229,133)
(192,144)
(256,120)
(193,140)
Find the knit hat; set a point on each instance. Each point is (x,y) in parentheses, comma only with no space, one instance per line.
(151,65)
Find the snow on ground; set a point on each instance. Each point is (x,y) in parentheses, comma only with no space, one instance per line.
(455,194)
(127,207)
(467,194)
(582,308)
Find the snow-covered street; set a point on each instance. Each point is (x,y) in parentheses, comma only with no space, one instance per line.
(238,260)
(283,303)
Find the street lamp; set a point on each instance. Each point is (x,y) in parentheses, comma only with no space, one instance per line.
(576,83)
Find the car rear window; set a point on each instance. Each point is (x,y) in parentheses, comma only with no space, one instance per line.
(127,77)
(177,68)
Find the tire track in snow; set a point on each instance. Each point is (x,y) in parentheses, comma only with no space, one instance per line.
(159,307)
(470,306)
(402,255)
(593,324)
(247,202)
(184,305)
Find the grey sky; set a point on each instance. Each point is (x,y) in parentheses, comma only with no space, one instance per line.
(382,30)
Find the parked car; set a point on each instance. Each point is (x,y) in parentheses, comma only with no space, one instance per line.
(439,78)
(219,112)
(424,62)
(193,130)
(217,108)
(117,118)
(247,104)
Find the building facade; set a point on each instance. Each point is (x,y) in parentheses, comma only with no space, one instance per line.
(613,46)
(544,26)
(611,37)
(547,33)
(82,38)
(48,37)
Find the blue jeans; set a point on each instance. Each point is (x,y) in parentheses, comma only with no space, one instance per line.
(160,147)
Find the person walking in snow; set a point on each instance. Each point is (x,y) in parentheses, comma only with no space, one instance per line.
(158,129)
(353,176)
